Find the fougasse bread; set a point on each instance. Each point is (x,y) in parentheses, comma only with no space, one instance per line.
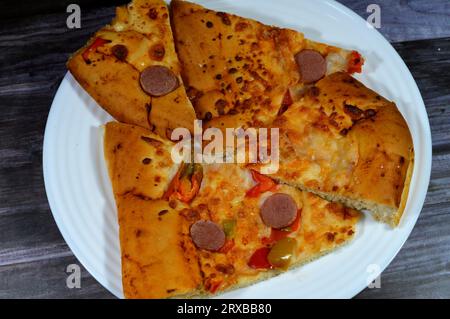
(131,69)
(347,143)
(191,230)
(240,72)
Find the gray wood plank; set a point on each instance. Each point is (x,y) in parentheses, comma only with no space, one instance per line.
(429,63)
(30,235)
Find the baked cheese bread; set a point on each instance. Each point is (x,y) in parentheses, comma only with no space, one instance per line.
(195,230)
(257,244)
(158,258)
(131,69)
(240,72)
(347,143)
(138,160)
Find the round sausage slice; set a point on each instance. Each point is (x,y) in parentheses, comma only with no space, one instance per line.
(279,210)
(311,64)
(207,235)
(158,80)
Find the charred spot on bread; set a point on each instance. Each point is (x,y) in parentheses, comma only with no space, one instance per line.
(224,18)
(353,111)
(157,51)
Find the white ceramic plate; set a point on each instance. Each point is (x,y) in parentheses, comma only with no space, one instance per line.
(80,195)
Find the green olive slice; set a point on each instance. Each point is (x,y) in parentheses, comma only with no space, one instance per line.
(281,253)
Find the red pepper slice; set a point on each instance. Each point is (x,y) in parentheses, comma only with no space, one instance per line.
(277,234)
(214,286)
(259,259)
(173,186)
(187,197)
(176,188)
(264,184)
(257,177)
(355,63)
(287,101)
(98,42)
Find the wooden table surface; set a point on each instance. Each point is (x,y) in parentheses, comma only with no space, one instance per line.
(35,44)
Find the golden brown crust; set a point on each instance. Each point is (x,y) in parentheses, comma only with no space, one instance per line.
(347,143)
(111,77)
(138,160)
(158,258)
(404,197)
(238,70)
(110,84)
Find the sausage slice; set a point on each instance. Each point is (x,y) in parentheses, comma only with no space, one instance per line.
(158,80)
(311,64)
(207,235)
(279,210)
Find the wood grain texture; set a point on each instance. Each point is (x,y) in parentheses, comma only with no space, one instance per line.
(35,45)
(406,20)
(401,20)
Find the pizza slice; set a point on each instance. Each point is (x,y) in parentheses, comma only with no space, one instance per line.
(248,228)
(158,259)
(347,143)
(190,229)
(239,72)
(131,69)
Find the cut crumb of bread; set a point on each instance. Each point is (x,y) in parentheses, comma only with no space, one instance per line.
(382,213)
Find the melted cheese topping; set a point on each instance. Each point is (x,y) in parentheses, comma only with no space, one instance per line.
(134,28)
(222,198)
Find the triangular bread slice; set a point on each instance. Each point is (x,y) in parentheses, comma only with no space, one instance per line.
(158,259)
(159,256)
(111,65)
(347,143)
(321,227)
(240,72)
